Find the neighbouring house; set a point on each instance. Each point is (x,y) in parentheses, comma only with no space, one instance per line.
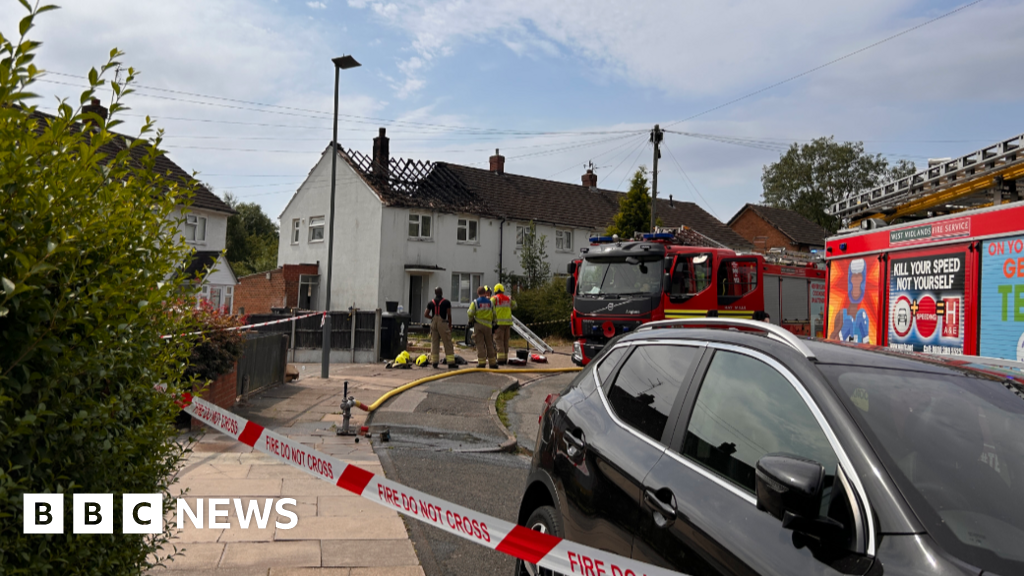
(204,226)
(403,226)
(289,286)
(766,228)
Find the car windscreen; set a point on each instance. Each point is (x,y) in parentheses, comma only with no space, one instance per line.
(955,446)
(619,277)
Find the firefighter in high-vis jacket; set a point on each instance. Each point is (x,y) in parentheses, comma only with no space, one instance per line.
(482,312)
(503,306)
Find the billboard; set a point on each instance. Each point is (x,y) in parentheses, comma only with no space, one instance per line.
(926,301)
(1002,299)
(854,297)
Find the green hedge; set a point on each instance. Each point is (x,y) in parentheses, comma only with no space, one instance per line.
(87,244)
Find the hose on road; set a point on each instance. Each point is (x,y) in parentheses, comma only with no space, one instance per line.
(376,404)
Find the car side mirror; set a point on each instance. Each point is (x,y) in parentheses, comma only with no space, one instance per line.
(570,286)
(790,489)
(571,268)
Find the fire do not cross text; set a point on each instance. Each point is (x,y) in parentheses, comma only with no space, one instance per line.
(143,513)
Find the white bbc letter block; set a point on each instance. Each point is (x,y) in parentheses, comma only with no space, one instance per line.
(92,514)
(216,512)
(44,514)
(143,514)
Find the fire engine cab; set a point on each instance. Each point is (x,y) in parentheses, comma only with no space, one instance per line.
(619,285)
(934,262)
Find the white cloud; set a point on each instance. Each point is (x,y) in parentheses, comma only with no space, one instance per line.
(316,5)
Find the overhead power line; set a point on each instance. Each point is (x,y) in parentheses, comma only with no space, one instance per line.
(827,64)
(322,114)
(687,176)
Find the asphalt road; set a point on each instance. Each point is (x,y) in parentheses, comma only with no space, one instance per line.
(432,428)
(524,410)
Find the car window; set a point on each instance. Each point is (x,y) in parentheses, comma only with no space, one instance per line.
(608,363)
(746,409)
(954,446)
(647,385)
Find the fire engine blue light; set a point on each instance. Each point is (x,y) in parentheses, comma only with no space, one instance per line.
(658,236)
(600,239)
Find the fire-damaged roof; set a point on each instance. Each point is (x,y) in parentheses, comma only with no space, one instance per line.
(794,225)
(454,188)
(203,197)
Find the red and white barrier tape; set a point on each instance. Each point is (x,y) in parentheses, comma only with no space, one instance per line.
(545,550)
(249,326)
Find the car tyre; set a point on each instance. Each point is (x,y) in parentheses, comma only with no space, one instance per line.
(545,520)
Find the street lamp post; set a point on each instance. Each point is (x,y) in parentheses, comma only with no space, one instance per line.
(341,63)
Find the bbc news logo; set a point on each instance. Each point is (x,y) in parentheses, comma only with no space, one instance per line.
(143,513)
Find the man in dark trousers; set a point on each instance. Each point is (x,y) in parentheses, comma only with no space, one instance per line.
(439,312)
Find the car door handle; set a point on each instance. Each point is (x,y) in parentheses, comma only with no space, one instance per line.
(664,514)
(574,445)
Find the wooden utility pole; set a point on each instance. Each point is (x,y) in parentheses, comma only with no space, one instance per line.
(656,136)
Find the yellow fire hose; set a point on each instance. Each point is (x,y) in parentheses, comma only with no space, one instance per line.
(415,383)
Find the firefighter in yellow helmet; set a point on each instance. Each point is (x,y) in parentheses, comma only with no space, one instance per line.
(482,312)
(503,306)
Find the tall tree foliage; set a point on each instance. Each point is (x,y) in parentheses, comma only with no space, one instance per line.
(251,238)
(533,258)
(634,208)
(89,244)
(808,178)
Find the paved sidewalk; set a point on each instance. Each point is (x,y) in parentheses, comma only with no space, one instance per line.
(338,533)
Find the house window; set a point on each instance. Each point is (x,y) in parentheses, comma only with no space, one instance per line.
(316,229)
(563,240)
(419,225)
(296,230)
(229,298)
(464,286)
(467,230)
(195,228)
(521,232)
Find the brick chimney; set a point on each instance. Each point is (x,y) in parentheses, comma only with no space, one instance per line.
(381,156)
(497,163)
(590,179)
(96,108)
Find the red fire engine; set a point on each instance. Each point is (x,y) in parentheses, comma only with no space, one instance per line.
(949,278)
(618,285)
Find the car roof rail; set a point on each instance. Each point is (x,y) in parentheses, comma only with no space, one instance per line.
(770,330)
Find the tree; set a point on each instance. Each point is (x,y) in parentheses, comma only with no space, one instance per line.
(634,208)
(533,258)
(251,238)
(809,178)
(89,243)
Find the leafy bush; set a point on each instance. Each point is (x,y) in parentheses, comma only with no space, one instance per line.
(87,246)
(547,307)
(216,349)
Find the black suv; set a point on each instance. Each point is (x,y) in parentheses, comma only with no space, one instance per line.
(733,447)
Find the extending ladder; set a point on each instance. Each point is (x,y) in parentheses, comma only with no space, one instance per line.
(528,335)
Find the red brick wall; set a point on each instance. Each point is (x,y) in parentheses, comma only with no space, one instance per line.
(762,234)
(221,392)
(257,294)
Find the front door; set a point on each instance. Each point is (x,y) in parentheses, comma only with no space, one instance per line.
(416,298)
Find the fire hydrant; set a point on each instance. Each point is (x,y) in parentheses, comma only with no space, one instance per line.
(346,413)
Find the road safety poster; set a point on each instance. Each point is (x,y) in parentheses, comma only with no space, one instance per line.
(854,300)
(1002,299)
(926,302)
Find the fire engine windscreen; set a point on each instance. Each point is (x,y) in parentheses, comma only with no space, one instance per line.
(620,277)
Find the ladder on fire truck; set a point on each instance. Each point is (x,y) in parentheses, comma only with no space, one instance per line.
(982,178)
(683,235)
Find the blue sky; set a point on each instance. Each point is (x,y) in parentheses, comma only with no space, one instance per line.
(488,74)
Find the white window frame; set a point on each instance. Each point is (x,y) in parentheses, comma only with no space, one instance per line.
(563,239)
(296,230)
(521,232)
(315,223)
(470,230)
(195,228)
(467,281)
(417,219)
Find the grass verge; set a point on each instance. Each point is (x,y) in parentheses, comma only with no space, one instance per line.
(501,402)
